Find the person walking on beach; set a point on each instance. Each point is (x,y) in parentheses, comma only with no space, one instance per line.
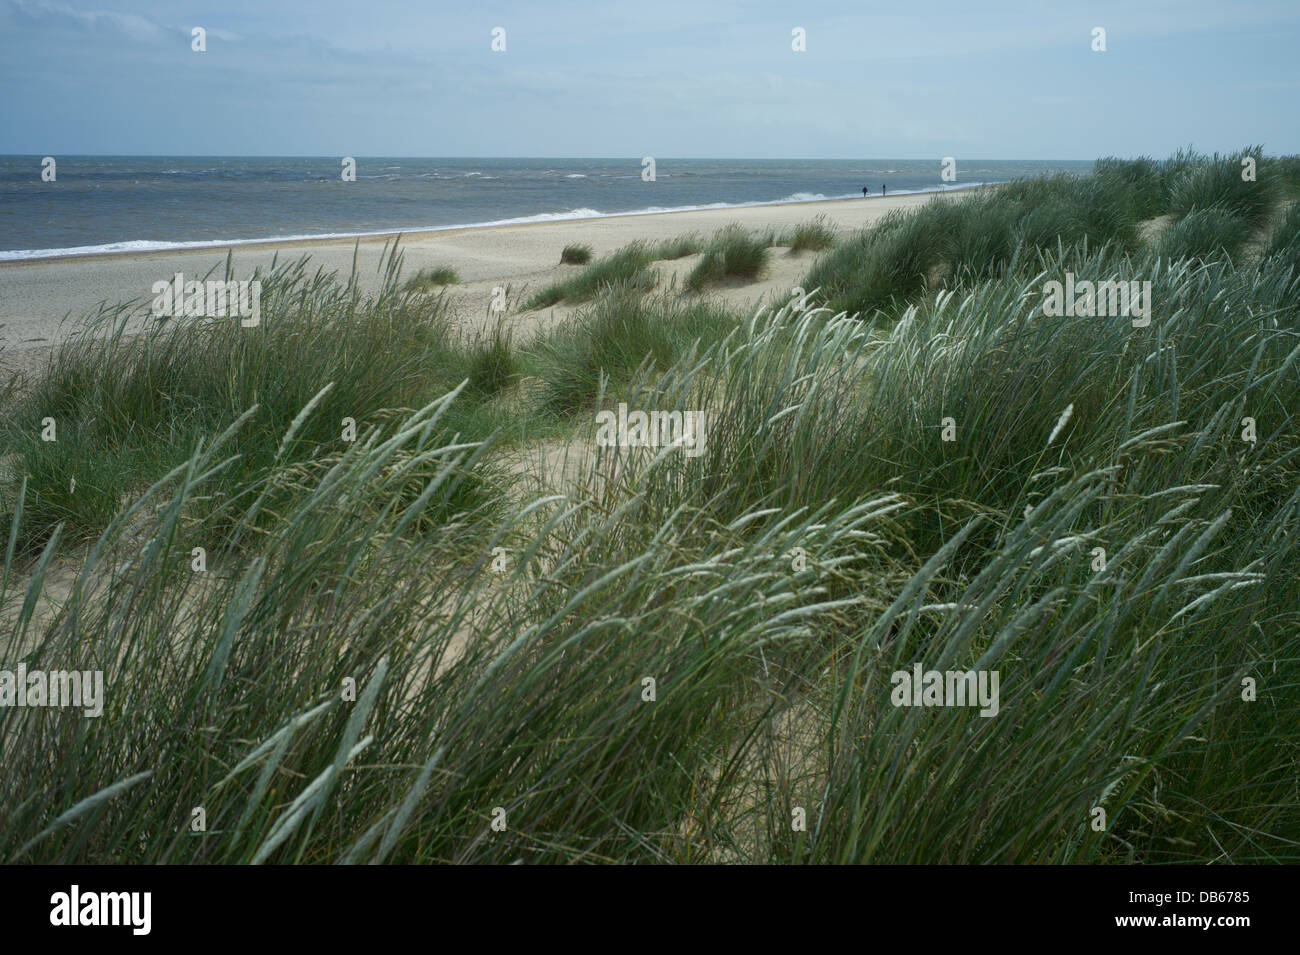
(864,192)
(883,189)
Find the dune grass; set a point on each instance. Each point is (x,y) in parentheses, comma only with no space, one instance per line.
(1205,233)
(607,342)
(493,362)
(952,242)
(429,280)
(880,267)
(1284,247)
(1217,182)
(575,254)
(673,657)
(732,253)
(691,243)
(629,267)
(1286,173)
(1143,179)
(1007,521)
(815,235)
(126,409)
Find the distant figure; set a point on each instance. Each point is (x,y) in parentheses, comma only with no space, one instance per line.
(883,189)
(864,192)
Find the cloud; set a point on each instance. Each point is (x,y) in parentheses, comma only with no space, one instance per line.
(44,14)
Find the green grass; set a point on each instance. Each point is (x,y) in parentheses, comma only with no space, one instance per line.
(825,537)
(1283,251)
(1286,237)
(732,253)
(607,342)
(428,280)
(1205,233)
(575,255)
(1142,178)
(493,362)
(881,267)
(1216,182)
(127,409)
(678,248)
(1286,171)
(627,268)
(815,235)
(978,238)
(952,242)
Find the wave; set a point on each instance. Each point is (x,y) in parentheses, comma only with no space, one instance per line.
(152,245)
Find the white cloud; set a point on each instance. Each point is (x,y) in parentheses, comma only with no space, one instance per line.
(133,25)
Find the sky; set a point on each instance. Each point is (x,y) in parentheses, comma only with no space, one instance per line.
(1010,79)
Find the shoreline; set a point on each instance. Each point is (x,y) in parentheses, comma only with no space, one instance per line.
(204,245)
(41,295)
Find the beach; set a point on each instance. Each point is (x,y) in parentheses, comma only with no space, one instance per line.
(37,295)
(671,553)
(443,435)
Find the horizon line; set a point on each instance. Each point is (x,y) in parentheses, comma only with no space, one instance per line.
(584,158)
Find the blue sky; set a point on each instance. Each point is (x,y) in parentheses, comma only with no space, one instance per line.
(1013,79)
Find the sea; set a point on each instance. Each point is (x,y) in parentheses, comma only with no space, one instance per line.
(88,205)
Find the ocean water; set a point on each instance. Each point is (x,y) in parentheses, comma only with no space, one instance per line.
(103,204)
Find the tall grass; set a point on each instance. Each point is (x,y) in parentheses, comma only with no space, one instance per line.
(575,255)
(627,268)
(611,339)
(691,243)
(428,280)
(666,660)
(1220,182)
(1198,525)
(733,253)
(1142,178)
(950,243)
(127,408)
(879,268)
(1284,247)
(1286,172)
(815,235)
(493,362)
(1205,233)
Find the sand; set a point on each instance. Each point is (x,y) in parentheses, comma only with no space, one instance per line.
(35,296)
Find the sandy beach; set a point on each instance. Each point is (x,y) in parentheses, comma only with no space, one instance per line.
(36,296)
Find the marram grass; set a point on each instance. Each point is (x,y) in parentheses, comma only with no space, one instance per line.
(672,658)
